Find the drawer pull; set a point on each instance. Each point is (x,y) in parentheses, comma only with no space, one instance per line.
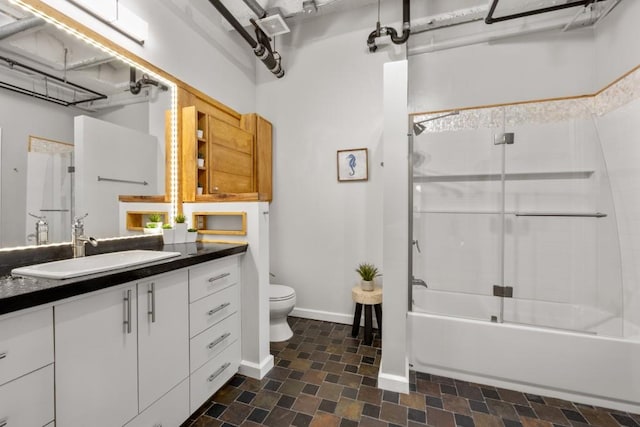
(218,308)
(2,356)
(219,276)
(4,422)
(215,374)
(151,292)
(127,320)
(218,340)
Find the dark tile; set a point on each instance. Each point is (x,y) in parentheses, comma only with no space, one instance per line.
(302,420)
(350,393)
(448,389)
(368,360)
(351,368)
(435,402)
(534,398)
(286,402)
(348,423)
(273,385)
(284,363)
(417,415)
(370,410)
(490,393)
(368,381)
(317,365)
(390,396)
(625,420)
(335,357)
(511,423)
(328,406)
(258,415)
(478,406)
(237,381)
(216,410)
(332,378)
(296,375)
(525,411)
(310,389)
(463,420)
(246,397)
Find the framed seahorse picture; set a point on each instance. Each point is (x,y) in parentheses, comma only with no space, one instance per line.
(353,165)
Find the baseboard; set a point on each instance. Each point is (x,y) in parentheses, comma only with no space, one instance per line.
(329,316)
(254,370)
(395,383)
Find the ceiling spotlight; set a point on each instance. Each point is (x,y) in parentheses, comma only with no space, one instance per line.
(309,6)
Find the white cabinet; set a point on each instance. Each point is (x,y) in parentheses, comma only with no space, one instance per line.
(163,335)
(214,327)
(171,410)
(96,359)
(26,369)
(119,351)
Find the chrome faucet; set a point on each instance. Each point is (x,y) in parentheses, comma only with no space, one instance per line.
(78,239)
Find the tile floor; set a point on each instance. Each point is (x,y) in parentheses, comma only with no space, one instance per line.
(324,377)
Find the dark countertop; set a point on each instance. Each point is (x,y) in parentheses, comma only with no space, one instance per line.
(21,293)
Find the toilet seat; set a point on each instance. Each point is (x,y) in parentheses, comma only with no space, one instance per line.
(280,293)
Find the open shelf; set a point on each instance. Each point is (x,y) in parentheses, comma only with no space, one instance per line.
(510,176)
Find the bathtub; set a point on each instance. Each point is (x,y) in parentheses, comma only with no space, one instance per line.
(450,335)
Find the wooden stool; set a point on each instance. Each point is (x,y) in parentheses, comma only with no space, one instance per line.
(368,298)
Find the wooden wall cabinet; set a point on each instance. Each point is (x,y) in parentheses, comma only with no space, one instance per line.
(237,156)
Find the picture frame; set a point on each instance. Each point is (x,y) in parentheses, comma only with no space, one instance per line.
(353,165)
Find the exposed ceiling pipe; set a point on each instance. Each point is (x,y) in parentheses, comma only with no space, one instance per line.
(256,8)
(390,31)
(19,26)
(261,51)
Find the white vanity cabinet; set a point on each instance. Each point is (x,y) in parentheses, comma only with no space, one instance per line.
(118,351)
(26,369)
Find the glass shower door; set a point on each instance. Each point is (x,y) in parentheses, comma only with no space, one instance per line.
(560,230)
(457,223)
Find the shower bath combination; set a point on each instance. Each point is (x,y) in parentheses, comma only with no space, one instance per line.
(520,244)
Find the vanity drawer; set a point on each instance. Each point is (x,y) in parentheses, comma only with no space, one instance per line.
(26,343)
(212,341)
(210,377)
(28,401)
(172,409)
(212,277)
(210,310)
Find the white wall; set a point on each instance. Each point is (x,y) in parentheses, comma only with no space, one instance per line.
(330,99)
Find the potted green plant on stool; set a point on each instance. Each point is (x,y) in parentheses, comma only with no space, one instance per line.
(368,272)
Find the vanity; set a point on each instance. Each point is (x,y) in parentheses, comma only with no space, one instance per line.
(139,346)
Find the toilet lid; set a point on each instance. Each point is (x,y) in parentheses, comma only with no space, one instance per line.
(280,292)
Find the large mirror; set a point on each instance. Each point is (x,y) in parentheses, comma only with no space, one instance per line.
(78,128)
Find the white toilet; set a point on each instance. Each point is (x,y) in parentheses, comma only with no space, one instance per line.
(282,299)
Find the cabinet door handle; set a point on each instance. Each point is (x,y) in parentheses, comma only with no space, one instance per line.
(219,276)
(218,340)
(4,422)
(216,373)
(2,356)
(127,320)
(218,308)
(152,303)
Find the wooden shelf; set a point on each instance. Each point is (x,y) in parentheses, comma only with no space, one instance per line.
(510,176)
(137,219)
(221,223)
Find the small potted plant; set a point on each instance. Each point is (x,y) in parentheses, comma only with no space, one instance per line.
(152,228)
(192,234)
(368,272)
(199,189)
(168,234)
(200,160)
(155,218)
(180,229)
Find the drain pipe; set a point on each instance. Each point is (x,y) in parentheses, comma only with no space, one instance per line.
(256,8)
(383,31)
(259,49)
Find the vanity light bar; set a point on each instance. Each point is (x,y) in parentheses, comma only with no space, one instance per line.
(173,164)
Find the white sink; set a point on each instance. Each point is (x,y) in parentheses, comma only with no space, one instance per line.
(75,267)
